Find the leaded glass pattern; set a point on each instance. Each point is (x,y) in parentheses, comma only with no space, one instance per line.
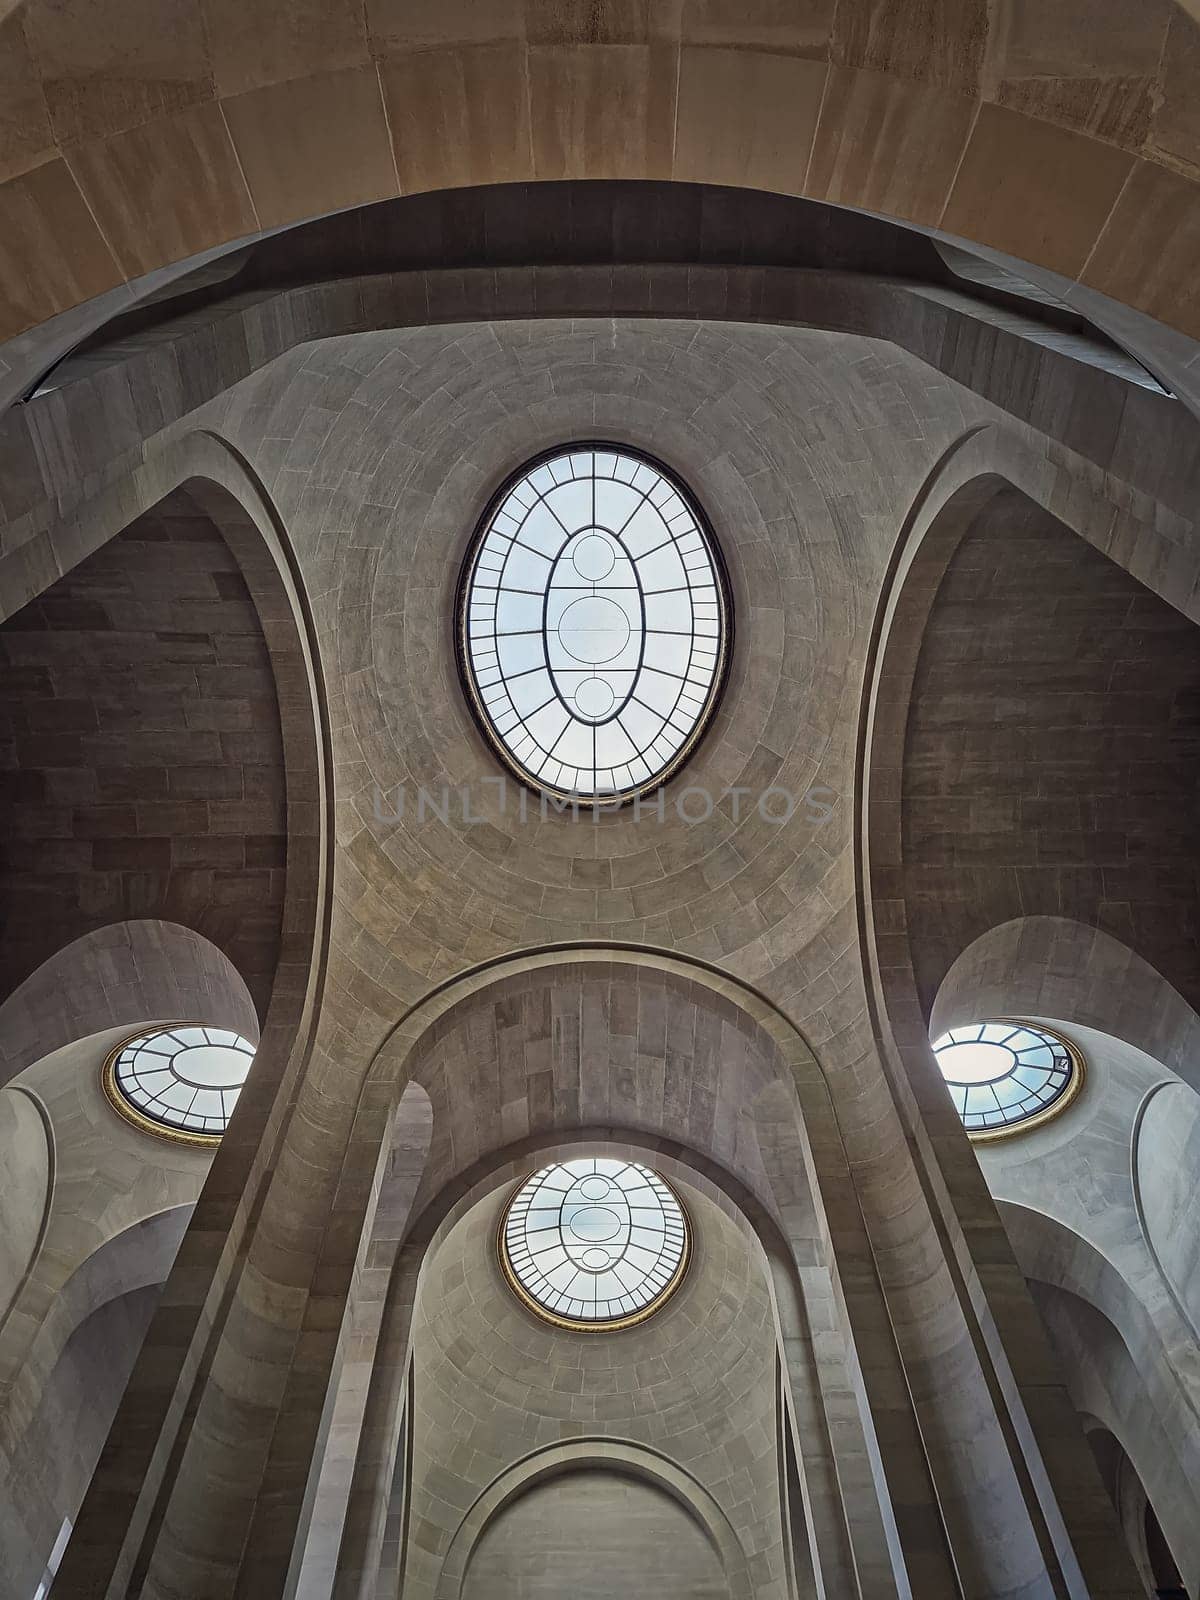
(183,1080)
(1004,1074)
(594,1242)
(594,623)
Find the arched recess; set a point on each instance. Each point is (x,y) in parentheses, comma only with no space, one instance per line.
(934,119)
(1116,1367)
(116,1210)
(121,975)
(820,1389)
(950,820)
(1046,742)
(147,693)
(139,1455)
(917,913)
(609,1455)
(54,1033)
(1050,966)
(839,1509)
(782,1182)
(53,1429)
(1143,1534)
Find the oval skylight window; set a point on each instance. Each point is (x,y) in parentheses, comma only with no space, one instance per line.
(1006,1075)
(594,623)
(594,1243)
(180,1082)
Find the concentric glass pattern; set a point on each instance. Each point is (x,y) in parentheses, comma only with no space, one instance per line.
(594,623)
(594,1243)
(185,1079)
(1001,1074)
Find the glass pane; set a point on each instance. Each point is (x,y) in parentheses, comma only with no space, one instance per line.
(595,1240)
(186,1077)
(594,618)
(1000,1073)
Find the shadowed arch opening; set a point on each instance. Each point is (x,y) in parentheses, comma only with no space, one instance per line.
(52,1431)
(716,1343)
(216,480)
(1112,1359)
(1143,1532)
(467,1560)
(146,775)
(1050,750)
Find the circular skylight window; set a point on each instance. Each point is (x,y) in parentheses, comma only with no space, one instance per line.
(181,1082)
(593,623)
(1006,1075)
(594,1243)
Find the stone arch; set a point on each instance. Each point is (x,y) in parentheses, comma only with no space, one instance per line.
(1135,1513)
(885,115)
(80,1003)
(27,1165)
(158,735)
(682,1328)
(139,1257)
(122,975)
(1164,1138)
(984,478)
(982,481)
(84,999)
(128,1270)
(1117,1325)
(106,1179)
(1060,967)
(229,1208)
(1114,1355)
(366,1343)
(609,1454)
(804,1236)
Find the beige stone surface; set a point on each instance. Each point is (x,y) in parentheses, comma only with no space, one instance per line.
(25,136)
(885,145)
(696,1385)
(130,182)
(106,71)
(454,118)
(748,147)
(26,1153)
(602,111)
(250,46)
(52,254)
(1064,101)
(293,167)
(1022,183)
(739,1021)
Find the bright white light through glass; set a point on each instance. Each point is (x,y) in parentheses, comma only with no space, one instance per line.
(594,1242)
(185,1078)
(594,623)
(1001,1074)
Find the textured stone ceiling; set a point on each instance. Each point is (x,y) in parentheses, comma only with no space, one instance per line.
(381,452)
(137,134)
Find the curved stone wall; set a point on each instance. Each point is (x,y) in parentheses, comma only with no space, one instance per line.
(379,450)
(1049,749)
(696,1382)
(145,761)
(161,135)
(1166,1151)
(594,1531)
(26,1166)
